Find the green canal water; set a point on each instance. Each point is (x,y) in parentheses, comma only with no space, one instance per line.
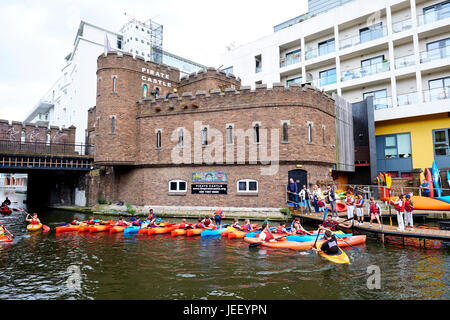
(114,266)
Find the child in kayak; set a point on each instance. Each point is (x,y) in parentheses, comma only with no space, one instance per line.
(34,219)
(151,217)
(137,222)
(236,224)
(207,223)
(247,226)
(184,225)
(75,221)
(91,221)
(122,223)
(199,224)
(329,223)
(374,211)
(400,208)
(297,228)
(265,234)
(281,229)
(329,246)
(409,206)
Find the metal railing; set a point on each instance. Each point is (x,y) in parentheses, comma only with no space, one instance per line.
(435,54)
(81,149)
(362,72)
(433,16)
(405,61)
(407,99)
(372,34)
(291,59)
(403,25)
(436,94)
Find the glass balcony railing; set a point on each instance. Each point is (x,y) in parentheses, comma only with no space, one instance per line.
(403,62)
(365,71)
(402,25)
(289,60)
(320,51)
(433,16)
(371,34)
(435,54)
(406,99)
(382,103)
(436,94)
(325,81)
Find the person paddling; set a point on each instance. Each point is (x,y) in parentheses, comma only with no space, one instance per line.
(247,226)
(207,223)
(184,225)
(281,229)
(151,217)
(199,224)
(122,223)
(265,234)
(91,221)
(329,223)
(34,220)
(296,227)
(329,246)
(75,221)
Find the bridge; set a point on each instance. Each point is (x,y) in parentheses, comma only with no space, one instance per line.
(55,164)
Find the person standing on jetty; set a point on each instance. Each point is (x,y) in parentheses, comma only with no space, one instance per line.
(350,202)
(409,206)
(400,208)
(293,193)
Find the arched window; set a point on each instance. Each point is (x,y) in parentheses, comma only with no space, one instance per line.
(256,132)
(23,136)
(114,88)
(158,139)
(285,132)
(204,136)
(180,137)
(247,186)
(144,91)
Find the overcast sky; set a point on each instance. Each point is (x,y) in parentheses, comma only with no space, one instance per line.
(37,35)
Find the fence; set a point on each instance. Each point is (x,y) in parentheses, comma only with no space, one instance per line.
(7,146)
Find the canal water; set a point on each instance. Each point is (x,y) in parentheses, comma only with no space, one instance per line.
(114,266)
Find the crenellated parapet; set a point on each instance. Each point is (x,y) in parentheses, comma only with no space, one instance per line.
(245,97)
(208,79)
(15,130)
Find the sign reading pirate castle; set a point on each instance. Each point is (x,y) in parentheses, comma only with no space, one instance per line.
(156,77)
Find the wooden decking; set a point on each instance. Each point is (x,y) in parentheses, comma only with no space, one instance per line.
(385,229)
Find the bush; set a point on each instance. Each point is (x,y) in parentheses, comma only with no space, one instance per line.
(130,208)
(101,201)
(285,211)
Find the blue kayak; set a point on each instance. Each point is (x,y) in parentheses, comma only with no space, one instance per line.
(212,233)
(444,198)
(306,238)
(131,229)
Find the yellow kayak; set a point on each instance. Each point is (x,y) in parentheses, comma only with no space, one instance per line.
(34,227)
(340,258)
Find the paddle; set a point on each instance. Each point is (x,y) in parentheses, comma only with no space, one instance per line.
(318,230)
(356,248)
(44,227)
(257,244)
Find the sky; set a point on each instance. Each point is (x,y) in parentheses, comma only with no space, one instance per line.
(37,35)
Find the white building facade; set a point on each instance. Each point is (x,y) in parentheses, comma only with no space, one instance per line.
(67,101)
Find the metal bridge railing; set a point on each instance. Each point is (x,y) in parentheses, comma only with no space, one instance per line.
(81,149)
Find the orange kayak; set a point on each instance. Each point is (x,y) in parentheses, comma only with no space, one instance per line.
(161,230)
(238,234)
(194,232)
(84,228)
(178,232)
(285,244)
(68,228)
(99,228)
(423,203)
(116,229)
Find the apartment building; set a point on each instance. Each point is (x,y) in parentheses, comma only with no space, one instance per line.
(396,51)
(66,103)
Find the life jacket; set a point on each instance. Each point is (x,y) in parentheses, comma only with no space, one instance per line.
(349,201)
(218,213)
(183,225)
(247,227)
(269,235)
(199,225)
(374,208)
(34,221)
(359,202)
(121,224)
(236,225)
(207,222)
(91,222)
(279,230)
(75,222)
(136,223)
(409,206)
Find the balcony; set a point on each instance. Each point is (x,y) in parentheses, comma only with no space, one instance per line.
(289,60)
(436,94)
(433,16)
(324,81)
(365,71)
(319,51)
(402,25)
(405,61)
(435,54)
(407,99)
(370,35)
(382,103)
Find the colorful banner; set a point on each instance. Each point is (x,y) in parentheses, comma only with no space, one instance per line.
(209,177)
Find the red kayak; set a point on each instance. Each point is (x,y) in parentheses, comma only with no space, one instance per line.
(6,210)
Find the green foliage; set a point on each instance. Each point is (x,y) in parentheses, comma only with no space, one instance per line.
(285,211)
(130,208)
(101,201)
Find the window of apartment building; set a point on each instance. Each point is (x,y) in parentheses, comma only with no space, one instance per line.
(230,134)
(158,139)
(228,70)
(438,50)
(327,77)
(177,186)
(373,65)
(397,146)
(205,136)
(294,80)
(326,47)
(144,90)
(293,57)
(256,133)
(380,100)
(247,186)
(119,42)
(436,12)
(258,63)
(441,142)
(371,33)
(439,89)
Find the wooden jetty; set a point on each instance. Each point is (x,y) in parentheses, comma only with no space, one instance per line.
(385,232)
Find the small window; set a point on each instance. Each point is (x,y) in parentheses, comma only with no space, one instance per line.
(114,84)
(180,138)
(204,136)
(256,132)
(144,90)
(158,139)
(285,132)
(247,186)
(113,124)
(177,186)
(309,132)
(258,64)
(323,135)
(230,134)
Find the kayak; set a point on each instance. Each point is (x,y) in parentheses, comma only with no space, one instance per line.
(238,234)
(194,232)
(68,228)
(161,230)
(6,238)
(179,232)
(444,198)
(340,207)
(212,233)
(424,203)
(99,228)
(306,238)
(116,229)
(448,178)
(295,245)
(131,229)
(436,179)
(84,228)
(256,233)
(340,258)
(429,178)
(34,227)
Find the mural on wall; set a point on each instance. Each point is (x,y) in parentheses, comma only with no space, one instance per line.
(33,136)
(209,177)
(59,137)
(11,134)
